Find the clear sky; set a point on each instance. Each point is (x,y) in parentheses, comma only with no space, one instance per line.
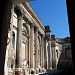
(53,13)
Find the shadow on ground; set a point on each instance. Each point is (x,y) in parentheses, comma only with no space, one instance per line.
(59,72)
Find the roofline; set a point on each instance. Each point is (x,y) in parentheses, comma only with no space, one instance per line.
(30,9)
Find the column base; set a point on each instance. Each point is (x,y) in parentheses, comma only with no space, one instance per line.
(19,71)
(43,70)
(49,70)
(32,71)
(37,70)
(10,72)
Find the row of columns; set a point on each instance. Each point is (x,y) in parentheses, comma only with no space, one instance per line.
(48,53)
(32,64)
(33,54)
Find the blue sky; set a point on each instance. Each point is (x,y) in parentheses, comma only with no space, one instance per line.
(53,13)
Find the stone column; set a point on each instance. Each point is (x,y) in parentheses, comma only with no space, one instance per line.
(26,54)
(49,53)
(36,51)
(45,54)
(19,41)
(29,47)
(36,48)
(41,61)
(54,57)
(42,51)
(32,46)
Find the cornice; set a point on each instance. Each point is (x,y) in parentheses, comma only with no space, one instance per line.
(33,14)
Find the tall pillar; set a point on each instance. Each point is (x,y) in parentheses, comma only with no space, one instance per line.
(49,55)
(54,57)
(36,48)
(42,62)
(29,47)
(40,52)
(43,54)
(46,54)
(32,46)
(19,41)
(36,51)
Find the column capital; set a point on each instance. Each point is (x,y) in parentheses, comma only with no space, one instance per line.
(20,17)
(36,30)
(31,25)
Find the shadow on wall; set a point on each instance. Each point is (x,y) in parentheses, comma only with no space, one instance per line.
(65,61)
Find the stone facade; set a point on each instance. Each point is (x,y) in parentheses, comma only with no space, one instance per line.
(61,53)
(27,45)
(31,49)
(5,24)
(65,60)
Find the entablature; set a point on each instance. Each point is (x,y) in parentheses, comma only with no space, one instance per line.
(29,18)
